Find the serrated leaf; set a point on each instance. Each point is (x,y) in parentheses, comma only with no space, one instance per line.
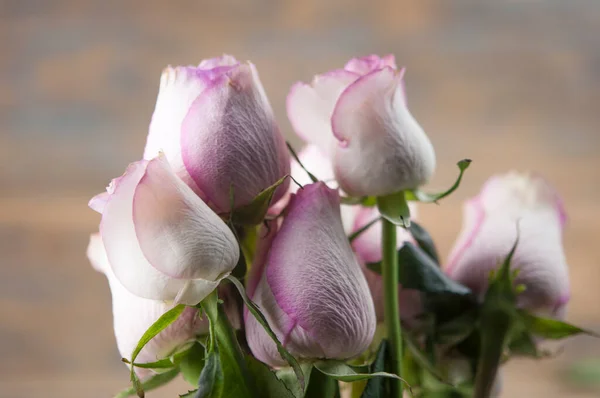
(424,240)
(254,212)
(376,387)
(153,382)
(549,328)
(420,272)
(434,197)
(255,311)
(270,385)
(394,208)
(161,324)
(342,372)
(192,364)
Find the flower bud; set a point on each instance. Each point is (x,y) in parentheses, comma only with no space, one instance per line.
(490,222)
(309,285)
(367,245)
(216,127)
(162,241)
(358,116)
(133,315)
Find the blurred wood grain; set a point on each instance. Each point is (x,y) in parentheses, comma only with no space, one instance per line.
(510,84)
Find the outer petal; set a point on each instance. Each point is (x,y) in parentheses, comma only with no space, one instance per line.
(382,148)
(224,60)
(365,65)
(133,315)
(490,230)
(126,258)
(179,87)
(230,138)
(310,106)
(318,298)
(177,232)
(320,166)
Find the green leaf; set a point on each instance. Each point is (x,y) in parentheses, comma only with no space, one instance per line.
(549,328)
(270,385)
(248,240)
(289,378)
(192,364)
(161,364)
(161,324)
(420,272)
(434,197)
(321,385)
(212,380)
(394,208)
(295,156)
(225,365)
(189,394)
(457,329)
(420,358)
(342,372)
(522,343)
(263,322)
(153,382)
(424,240)
(377,386)
(254,212)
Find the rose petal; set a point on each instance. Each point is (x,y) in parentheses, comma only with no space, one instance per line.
(177,232)
(230,139)
(133,315)
(490,230)
(382,148)
(310,106)
(126,258)
(367,64)
(322,291)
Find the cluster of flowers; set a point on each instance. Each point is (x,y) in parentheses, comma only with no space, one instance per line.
(214,145)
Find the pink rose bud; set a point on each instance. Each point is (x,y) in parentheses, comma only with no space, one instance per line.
(489,231)
(358,116)
(309,285)
(162,241)
(367,245)
(133,315)
(216,127)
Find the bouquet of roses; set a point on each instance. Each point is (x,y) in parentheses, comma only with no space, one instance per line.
(256,272)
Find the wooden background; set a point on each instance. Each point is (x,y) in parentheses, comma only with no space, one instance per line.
(511,84)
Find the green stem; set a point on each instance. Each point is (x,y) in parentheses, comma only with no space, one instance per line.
(495,327)
(389,265)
